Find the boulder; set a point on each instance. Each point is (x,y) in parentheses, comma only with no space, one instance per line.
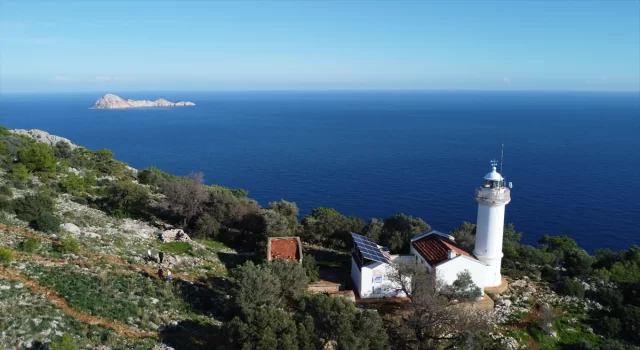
(176,235)
(71,228)
(518,284)
(505,302)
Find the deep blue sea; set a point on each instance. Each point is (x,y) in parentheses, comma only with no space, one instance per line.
(573,158)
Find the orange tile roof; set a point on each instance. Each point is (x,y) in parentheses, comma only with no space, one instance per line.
(285,248)
(434,248)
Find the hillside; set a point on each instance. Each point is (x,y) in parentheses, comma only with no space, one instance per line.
(76,226)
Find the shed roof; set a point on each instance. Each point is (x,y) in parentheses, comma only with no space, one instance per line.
(434,248)
(286,248)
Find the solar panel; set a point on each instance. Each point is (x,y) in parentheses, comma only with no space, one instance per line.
(369,249)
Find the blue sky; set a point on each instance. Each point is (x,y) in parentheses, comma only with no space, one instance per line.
(357,44)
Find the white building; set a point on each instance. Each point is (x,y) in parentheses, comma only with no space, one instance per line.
(492,197)
(370,266)
(371,263)
(438,251)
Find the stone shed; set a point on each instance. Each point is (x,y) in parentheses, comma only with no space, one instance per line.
(286,248)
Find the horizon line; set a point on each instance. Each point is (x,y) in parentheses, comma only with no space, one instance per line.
(26,92)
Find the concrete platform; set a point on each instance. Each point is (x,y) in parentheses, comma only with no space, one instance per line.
(497,289)
(485,303)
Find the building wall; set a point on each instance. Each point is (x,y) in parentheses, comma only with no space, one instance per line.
(418,259)
(488,245)
(448,271)
(365,285)
(355,276)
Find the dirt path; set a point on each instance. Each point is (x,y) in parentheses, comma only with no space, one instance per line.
(60,302)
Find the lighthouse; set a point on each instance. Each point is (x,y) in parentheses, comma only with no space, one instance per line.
(492,197)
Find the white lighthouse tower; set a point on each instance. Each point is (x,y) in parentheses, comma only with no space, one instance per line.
(492,197)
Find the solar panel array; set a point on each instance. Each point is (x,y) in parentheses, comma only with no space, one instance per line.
(368,248)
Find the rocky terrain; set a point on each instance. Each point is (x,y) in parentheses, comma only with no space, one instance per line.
(111,101)
(44,137)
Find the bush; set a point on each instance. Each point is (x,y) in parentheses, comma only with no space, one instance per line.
(207,226)
(549,274)
(62,149)
(68,245)
(30,245)
(38,157)
(630,320)
(154,177)
(46,222)
(125,198)
(572,288)
(29,207)
(609,327)
(610,297)
(64,343)
(6,255)
(19,173)
(577,261)
(311,268)
(463,288)
(73,184)
(5,190)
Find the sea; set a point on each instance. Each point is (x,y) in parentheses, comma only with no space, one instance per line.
(573,158)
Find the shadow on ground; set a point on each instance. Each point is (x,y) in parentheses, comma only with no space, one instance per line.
(208,296)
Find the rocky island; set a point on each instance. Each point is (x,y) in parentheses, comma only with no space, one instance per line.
(111,101)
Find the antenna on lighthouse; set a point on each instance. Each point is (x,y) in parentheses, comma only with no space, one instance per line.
(501,159)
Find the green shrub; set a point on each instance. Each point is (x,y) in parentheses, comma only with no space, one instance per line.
(549,274)
(6,255)
(610,297)
(62,149)
(6,204)
(19,173)
(73,184)
(30,245)
(154,177)
(311,268)
(630,320)
(126,199)
(68,245)
(609,327)
(29,207)
(5,190)
(207,226)
(38,157)
(64,343)
(463,288)
(572,288)
(46,222)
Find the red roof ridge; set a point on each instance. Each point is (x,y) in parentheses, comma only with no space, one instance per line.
(434,248)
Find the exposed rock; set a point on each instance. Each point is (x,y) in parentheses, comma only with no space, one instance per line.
(138,228)
(175,235)
(518,284)
(505,302)
(111,101)
(71,228)
(44,137)
(510,343)
(162,347)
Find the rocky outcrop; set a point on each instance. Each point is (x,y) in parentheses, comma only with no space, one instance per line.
(111,101)
(44,137)
(176,235)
